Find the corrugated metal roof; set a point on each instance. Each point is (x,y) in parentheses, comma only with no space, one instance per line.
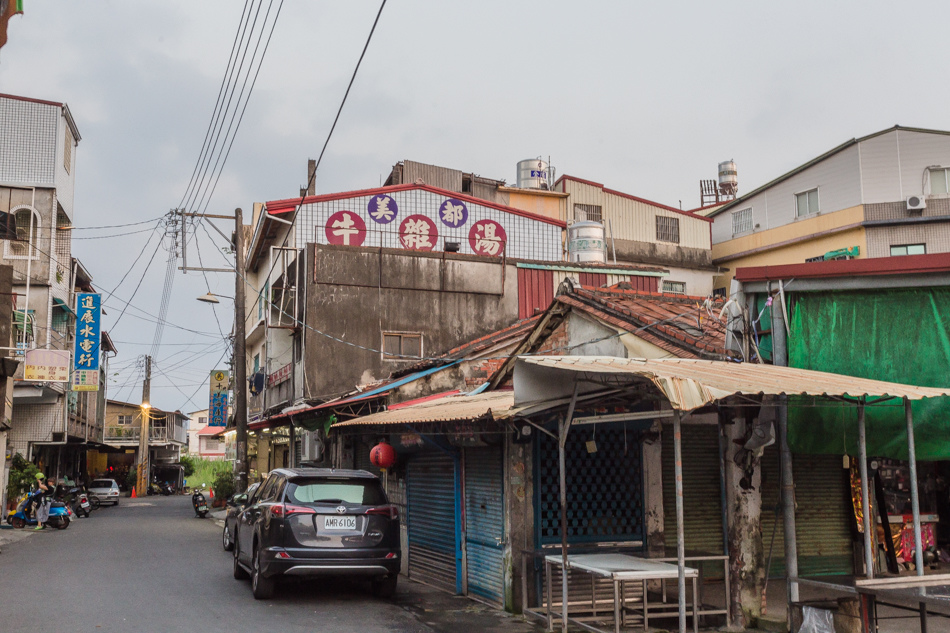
(499,404)
(690,384)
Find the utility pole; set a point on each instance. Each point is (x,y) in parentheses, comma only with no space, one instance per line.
(240,356)
(142,479)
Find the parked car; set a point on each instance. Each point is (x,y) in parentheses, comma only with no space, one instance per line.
(107,490)
(234,507)
(318,522)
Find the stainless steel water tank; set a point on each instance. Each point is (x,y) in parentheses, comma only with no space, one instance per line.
(532,174)
(586,242)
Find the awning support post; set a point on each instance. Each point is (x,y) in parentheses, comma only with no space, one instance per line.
(915,504)
(788,505)
(865,496)
(680,533)
(562,468)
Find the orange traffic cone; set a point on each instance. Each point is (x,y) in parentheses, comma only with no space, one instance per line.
(211,492)
(133,493)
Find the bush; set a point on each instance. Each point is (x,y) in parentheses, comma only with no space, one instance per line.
(189,465)
(22,476)
(132,478)
(223,484)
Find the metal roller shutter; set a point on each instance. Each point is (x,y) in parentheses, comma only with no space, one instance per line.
(702,490)
(485,523)
(822,518)
(432,520)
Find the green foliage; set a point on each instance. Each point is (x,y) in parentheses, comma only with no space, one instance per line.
(189,465)
(223,484)
(204,471)
(132,478)
(22,476)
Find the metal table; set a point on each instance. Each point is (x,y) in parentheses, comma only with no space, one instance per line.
(617,568)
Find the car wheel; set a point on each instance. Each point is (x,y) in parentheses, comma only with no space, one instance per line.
(385,588)
(226,541)
(261,587)
(239,572)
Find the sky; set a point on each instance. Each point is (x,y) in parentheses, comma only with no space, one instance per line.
(645,98)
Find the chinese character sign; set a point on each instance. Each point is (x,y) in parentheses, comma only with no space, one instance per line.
(346,228)
(218,409)
(418,233)
(382,209)
(88,332)
(487,237)
(453,213)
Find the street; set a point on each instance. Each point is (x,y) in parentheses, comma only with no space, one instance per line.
(148,565)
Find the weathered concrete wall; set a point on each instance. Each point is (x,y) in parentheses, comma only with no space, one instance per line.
(663,254)
(356,294)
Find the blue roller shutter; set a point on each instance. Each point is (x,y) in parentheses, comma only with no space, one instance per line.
(485,523)
(434,547)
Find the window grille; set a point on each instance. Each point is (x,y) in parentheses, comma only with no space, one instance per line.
(68,151)
(674,287)
(401,346)
(667,229)
(588,213)
(742,221)
(21,246)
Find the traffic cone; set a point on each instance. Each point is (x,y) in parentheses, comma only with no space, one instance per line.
(133,496)
(211,492)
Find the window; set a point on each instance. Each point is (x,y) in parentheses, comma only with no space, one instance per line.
(202,420)
(212,445)
(719,293)
(63,239)
(367,492)
(742,221)
(68,150)
(667,229)
(23,218)
(939,181)
(674,287)
(909,249)
(262,300)
(399,346)
(806,203)
(125,420)
(257,363)
(588,213)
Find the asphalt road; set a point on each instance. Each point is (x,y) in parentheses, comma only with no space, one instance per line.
(149,565)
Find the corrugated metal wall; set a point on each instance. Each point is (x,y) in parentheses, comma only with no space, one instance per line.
(822,519)
(485,523)
(432,520)
(535,291)
(593,280)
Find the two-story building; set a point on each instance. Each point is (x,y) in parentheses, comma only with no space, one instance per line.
(881,195)
(167,436)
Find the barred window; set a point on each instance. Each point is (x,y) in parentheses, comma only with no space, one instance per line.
(68,150)
(588,212)
(674,287)
(21,246)
(741,221)
(667,229)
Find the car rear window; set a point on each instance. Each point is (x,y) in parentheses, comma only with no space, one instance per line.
(101,483)
(366,492)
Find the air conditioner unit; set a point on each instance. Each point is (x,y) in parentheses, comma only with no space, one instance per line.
(916,204)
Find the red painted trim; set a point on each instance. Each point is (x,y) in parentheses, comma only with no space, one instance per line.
(419,400)
(632,197)
(31,100)
(277,207)
(878,266)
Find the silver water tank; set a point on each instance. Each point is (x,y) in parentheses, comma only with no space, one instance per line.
(728,177)
(532,174)
(586,242)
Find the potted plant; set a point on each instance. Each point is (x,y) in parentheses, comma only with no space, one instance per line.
(223,487)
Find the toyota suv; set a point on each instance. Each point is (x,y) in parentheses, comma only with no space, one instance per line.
(317,522)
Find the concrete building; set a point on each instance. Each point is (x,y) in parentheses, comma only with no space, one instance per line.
(51,425)
(881,195)
(123,428)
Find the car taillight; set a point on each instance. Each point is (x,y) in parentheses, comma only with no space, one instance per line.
(285,510)
(387,511)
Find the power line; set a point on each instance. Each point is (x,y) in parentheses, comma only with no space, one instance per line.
(113,226)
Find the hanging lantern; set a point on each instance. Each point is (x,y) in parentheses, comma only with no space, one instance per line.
(382,455)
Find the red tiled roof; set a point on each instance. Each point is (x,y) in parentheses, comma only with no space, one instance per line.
(211,430)
(679,325)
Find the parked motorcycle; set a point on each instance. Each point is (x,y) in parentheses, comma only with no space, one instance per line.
(59,513)
(78,501)
(199,503)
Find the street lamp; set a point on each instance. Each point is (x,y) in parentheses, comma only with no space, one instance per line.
(212,298)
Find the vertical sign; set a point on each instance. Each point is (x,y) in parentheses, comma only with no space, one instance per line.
(88,335)
(218,411)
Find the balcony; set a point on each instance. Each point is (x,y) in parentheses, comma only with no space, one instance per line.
(127,435)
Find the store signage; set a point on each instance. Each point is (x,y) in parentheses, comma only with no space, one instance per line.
(218,409)
(47,365)
(88,335)
(279,376)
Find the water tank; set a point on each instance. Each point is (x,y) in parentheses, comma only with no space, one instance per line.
(728,177)
(532,174)
(586,242)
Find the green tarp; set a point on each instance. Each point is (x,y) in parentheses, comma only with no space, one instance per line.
(895,335)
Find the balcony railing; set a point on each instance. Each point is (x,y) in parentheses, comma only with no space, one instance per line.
(156,435)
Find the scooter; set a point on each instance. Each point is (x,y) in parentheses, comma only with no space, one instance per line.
(79,502)
(199,503)
(59,514)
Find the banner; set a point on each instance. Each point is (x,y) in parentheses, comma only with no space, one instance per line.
(46,365)
(88,335)
(218,409)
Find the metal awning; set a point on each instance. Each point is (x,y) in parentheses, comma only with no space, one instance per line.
(690,384)
(497,404)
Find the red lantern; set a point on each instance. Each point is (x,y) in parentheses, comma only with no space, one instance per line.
(382,455)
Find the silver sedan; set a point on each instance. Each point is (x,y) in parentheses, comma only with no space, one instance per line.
(107,490)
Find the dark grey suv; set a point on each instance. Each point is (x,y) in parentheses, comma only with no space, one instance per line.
(318,522)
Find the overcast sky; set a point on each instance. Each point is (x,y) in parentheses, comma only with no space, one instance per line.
(646,98)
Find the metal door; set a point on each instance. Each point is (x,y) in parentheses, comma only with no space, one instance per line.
(485,523)
(432,520)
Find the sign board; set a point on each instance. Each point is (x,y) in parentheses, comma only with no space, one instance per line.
(280,375)
(218,409)
(88,335)
(47,365)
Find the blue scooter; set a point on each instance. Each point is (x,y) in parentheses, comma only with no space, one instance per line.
(59,514)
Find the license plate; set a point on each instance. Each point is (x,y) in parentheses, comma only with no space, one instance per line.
(202,508)
(339,523)
(85,504)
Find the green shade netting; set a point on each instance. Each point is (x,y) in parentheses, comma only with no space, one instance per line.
(898,336)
